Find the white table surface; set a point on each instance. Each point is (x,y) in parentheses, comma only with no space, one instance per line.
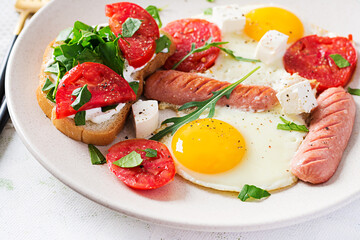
(35,205)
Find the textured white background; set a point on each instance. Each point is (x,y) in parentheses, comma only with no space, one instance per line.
(35,205)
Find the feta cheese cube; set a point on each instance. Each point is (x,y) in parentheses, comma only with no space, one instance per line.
(298,98)
(271,47)
(229,18)
(146,117)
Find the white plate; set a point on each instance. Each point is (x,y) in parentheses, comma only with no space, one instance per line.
(179,204)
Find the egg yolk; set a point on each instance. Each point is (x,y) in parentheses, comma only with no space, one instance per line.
(208,146)
(261,20)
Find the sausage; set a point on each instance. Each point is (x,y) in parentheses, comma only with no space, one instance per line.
(180,87)
(331,124)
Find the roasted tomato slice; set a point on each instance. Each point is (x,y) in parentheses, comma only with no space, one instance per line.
(106,87)
(310,58)
(188,31)
(139,48)
(153,172)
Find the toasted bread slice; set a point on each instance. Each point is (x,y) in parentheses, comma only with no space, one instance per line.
(92,133)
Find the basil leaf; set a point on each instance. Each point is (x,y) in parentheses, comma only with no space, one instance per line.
(340,61)
(107,34)
(67,63)
(290,126)
(251,191)
(53,68)
(71,51)
(150,152)
(82,26)
(64,35)
(208,11)
(83,96)
(162,43)
(130,26)
(154,12)
(96,156)
(135,86)
(50,95)
(48,85)
(354,91)
(80,118)
(131,160)
(88,55)
(107,108)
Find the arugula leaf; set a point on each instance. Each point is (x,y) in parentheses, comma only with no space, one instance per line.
(251,191)
(340,61)
(48,85)
(82,96)
(291,126)
(209,44)
(88,56)
(135,86)
(154,12)
(354,91)
(200,107)
(208,11)
(107,108)
(64,35)
(131,160)
(80,118)
(96,156)
(238,58)
(52,69)
(106,34)
(109,52)
(130,26)
(50,94)
(162,43)
(149,152)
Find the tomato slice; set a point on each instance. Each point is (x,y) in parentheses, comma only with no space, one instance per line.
(310,58)
(153,172)
(106,87)
(139,48)
(188,31)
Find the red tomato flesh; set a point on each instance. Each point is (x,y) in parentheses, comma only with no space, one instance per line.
(106,88)
(310,58)
(188,31)
(153,172)
(139,48)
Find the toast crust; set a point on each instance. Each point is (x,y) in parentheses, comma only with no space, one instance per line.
(91,133)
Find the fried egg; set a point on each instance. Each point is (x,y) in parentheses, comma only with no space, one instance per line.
(234,147)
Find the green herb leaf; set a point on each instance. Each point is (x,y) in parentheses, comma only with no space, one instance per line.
(210,1)
(130,26)
(291,126)
(208,11)
(149,152)
(53,68)
(135,86)
(80,118)
(109,52)
(339,60)
(200,107)
(64,35)
(48,85)
(96,156)
(154,12)
(238,58)
(354,91)
(131,160)
(83,95)
(251,191)
(50,95)
(107,108)
(162,43)
(209,44)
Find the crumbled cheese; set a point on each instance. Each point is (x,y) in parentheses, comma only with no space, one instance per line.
(298,98)
(146,117)
(271,47)
(229,18)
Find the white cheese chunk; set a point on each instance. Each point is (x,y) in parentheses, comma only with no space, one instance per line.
(298,98)
(146,117)
(229,18)
(271,47)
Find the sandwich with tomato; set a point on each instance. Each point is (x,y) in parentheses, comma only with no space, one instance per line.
(91,75)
